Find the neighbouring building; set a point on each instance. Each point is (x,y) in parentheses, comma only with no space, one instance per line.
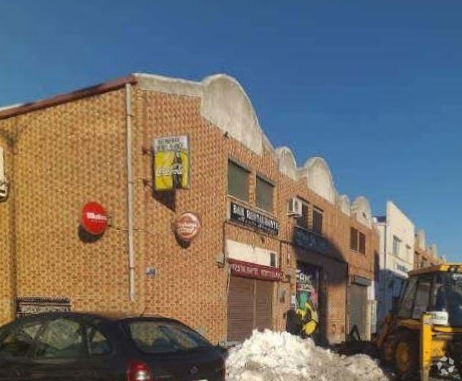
(396,256)
(425,256)
(157,195)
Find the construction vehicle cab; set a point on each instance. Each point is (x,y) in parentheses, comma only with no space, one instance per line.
(426,324)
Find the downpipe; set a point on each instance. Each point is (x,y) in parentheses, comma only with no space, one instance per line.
(130,215)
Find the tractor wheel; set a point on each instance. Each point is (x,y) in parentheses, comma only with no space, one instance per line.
(387,351)
(407,356)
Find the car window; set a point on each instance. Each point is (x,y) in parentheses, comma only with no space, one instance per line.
(60,338)
(98,344)
(164,337)
(20,340)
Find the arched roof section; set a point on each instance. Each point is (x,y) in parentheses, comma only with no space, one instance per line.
(226,105)
(286,162)
(361,210)
(319,178)
(344,204)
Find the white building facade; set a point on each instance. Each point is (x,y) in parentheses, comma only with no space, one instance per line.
(396,256)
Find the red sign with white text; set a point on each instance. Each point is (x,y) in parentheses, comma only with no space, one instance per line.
(94,218)
(252,270)
(187,226)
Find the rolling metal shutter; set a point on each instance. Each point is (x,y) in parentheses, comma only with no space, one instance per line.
(263,305)
(249,307)
(358,309)
(240,308)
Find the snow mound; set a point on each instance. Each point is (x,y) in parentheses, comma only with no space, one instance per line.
(280,356)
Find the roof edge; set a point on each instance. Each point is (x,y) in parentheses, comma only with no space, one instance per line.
(8,112)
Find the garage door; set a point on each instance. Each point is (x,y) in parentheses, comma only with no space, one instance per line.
(358,308)
(249,307)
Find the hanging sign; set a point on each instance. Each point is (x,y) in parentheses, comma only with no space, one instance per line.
(245,216)
(187,226)
(171,163)
(94,218)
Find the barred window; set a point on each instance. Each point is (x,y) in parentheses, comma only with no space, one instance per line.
(317,220)
(264,193)
(357,241)
(238,181)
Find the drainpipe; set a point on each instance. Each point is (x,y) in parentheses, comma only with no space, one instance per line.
(131,250)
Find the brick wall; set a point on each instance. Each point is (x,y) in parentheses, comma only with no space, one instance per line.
(71,153)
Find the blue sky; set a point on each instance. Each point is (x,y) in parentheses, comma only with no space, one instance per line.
(374,87)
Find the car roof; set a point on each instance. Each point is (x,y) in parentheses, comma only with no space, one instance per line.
(111,315)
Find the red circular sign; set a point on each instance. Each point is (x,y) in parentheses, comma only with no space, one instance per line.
(187,226)
(94,218)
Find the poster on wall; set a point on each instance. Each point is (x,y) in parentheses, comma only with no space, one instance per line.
(307,297)
(171,163)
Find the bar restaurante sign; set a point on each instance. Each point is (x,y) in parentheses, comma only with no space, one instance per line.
(248,217)
(252,270)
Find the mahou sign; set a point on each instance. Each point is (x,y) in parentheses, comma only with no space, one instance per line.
(187,226)
(94,218)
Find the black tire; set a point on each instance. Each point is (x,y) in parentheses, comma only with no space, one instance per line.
(387,351)
(407,356)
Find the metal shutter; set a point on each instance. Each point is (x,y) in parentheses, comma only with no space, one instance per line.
(358,309)
(263,305)
(240,308)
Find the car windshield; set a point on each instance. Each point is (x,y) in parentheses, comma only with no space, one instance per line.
(164,337)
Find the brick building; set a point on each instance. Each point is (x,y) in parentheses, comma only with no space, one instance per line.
(425,256)
(271,234)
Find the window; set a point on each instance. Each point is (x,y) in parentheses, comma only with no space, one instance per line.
(357,241)
(422,298)
(238,181)
(61,338)
(362,243)
(396,245)
(264,193)
(98,344)
(157,337)
(408,253)
(407,302)
(353,239)
(302,221)
(273,259)
(19,341)
(317,220)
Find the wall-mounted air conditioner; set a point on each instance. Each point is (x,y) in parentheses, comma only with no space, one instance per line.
(294,207)
(3,182)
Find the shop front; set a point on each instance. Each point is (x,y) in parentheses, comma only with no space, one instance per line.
(307,297)
(358,310)
(251,291)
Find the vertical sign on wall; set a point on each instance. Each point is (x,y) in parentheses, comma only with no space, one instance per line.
(308,296)
(171,163)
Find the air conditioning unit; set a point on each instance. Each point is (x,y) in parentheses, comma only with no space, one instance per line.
(3,182)
(294,208)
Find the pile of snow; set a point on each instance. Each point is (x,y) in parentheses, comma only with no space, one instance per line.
(280,356)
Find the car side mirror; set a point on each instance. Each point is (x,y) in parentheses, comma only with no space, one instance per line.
(222,350)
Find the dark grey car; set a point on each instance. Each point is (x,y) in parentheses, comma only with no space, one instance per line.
(90,347)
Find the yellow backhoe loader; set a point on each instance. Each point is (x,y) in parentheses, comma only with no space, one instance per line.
(423,332)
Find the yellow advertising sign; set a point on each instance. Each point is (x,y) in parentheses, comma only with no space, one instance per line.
(171,163)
